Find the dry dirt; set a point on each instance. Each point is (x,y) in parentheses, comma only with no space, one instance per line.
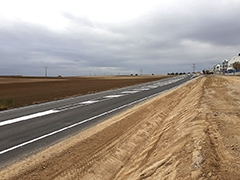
(192,132)
(32,90)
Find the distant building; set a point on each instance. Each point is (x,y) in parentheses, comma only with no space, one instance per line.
(228,64)
(233,60)
(217,68)
(225,64)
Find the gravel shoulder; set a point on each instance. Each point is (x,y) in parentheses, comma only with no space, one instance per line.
(191,132)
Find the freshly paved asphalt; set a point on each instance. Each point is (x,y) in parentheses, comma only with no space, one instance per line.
(25,131)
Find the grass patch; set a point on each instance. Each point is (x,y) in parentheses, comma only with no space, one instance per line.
(6,103)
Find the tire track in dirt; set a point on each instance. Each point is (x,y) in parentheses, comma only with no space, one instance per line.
(220,108)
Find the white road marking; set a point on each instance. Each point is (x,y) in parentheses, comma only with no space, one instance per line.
(88,102)
(73,125)
(76,124)
(113,96)
(129,92)
(24,118)
(141,89)
(152,86)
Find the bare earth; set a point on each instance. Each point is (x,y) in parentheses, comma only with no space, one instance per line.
(192,132)
(32,90)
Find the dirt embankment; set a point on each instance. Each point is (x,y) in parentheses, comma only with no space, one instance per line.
(192,132)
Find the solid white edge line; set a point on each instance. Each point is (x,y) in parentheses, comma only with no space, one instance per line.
(73,125)
(76,124)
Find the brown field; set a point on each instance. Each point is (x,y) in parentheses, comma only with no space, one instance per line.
(23,91)
(191,132)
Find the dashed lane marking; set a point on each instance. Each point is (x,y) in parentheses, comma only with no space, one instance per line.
(113,96)
(73,125)
(152,87)
(141,89)
(24,118)
(88,102)
(129,92)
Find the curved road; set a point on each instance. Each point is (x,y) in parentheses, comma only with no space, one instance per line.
(27,130)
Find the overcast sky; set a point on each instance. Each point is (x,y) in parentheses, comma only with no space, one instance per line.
(110,37)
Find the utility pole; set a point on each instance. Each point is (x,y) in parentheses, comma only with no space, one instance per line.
(193,67)
(141,72)
(45,71)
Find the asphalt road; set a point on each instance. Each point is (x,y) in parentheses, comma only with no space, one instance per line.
(25,131)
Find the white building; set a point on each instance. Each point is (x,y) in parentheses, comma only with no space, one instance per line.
(217,68)
(233,60)
(228,64)
(225,64)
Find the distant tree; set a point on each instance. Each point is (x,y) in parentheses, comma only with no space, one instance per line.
(184,73)
(239,54)
(176,73)
(236,65)
(180,73)
(172,73)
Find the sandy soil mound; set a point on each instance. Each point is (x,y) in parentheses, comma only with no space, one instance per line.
(191,132)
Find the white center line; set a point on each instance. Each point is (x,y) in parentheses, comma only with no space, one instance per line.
(129,92)
(113,96)
(152,86)
(24,118)
(73,125)
(76,124)
(88,102)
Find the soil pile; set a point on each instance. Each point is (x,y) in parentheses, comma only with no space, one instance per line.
(192,132)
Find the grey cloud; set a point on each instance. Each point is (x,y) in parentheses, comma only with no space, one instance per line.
(157,43)
(218,31)
(79,21)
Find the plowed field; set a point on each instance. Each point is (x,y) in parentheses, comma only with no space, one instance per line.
(24,91)
(191,132)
